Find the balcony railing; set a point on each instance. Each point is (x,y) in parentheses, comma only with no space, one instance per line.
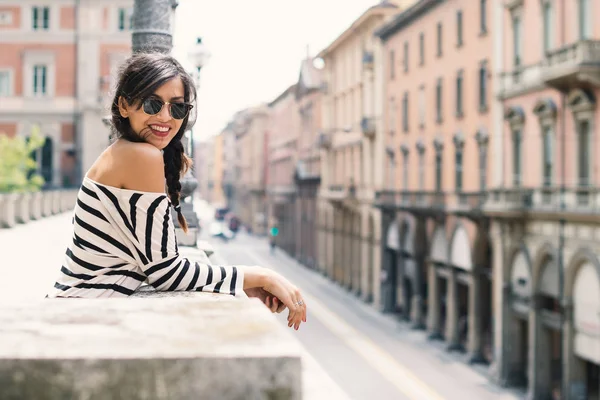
(410,200)
(581,200)
(340,193)
(519,80)
(568,65)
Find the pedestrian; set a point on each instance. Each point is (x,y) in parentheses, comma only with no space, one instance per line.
(123,233)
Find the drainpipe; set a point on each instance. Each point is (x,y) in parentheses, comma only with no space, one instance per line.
(561,230)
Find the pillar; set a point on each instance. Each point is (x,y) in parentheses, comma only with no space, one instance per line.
(539,355)
(433,313)
(452,313)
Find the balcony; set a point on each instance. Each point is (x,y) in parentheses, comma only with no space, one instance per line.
(522,79)
(417,202)
(469,205)
(573,201)
(344,195)
(572,66)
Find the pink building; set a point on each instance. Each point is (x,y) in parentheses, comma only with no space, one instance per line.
(437,264)
(545,211)
(57,64)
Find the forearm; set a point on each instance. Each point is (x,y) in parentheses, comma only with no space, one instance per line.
(255,276)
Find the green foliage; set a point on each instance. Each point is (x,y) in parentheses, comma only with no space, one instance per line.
(16,163)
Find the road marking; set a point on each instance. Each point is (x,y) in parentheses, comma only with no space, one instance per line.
(397,374)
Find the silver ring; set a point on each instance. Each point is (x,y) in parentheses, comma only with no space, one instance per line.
(300,303)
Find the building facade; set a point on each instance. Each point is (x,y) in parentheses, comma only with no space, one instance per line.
(351,145)
(57,66)
(436,250)
(252,137)
(284,131)
(307,171)
(543,208)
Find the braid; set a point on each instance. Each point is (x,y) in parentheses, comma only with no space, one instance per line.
(176,164)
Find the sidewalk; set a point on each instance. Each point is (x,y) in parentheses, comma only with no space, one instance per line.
(445,373)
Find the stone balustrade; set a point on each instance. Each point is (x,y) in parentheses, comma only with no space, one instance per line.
(155,345)
(24,207)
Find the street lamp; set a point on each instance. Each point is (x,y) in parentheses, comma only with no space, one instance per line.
(199,56)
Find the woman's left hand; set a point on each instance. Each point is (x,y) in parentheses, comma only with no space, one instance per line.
(272,302)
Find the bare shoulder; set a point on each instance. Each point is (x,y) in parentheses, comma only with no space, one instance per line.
(141,166)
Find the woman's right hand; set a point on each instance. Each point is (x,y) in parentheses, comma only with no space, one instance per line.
(282,289)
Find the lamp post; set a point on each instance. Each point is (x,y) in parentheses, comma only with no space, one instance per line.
(199,56)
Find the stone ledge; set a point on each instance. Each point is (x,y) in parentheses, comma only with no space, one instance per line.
(176,346)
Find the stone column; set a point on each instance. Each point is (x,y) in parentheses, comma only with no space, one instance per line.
(474,341)
(366,256)
(539,355)
(452,313)
(152,26)
(574,377)
(433,312)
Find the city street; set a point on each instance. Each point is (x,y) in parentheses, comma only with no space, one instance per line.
(364,352)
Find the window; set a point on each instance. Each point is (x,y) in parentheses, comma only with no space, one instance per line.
(439,39)
(421,150)
(422,106)
(125,19)
(392,115)
(547,26)
(482,164)
(438,100)
(483,16)
(584,164)
(548,156)
(5,84)
(40,80)
(40,18)
(584,19)
(483,86)
(459,94)
(405,56)
(6,18)
(458,177)
(391,169)
(422,48)
(405,112)
(392,64)
(459,28)
(438,171)
(517,158)
(405,169)
(517,40)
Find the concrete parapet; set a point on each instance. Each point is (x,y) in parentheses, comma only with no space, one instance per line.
(8,210)
(161,345)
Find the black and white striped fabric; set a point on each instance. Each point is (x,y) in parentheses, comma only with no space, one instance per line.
(122,238)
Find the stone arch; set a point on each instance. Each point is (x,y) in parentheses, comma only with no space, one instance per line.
(460,252)
(519,269)
(438,251)
(392,237)
(579,259)
(545,254)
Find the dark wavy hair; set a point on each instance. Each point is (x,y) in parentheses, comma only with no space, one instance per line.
(139,77)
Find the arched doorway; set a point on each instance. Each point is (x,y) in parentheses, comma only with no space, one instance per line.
(439,274)
(462,265)
(584,357)
(547,329)
(520,297)
(389,278)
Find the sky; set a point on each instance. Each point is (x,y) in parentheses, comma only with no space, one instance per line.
(256,48)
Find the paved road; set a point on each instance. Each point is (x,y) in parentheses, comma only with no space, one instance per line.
(367,354)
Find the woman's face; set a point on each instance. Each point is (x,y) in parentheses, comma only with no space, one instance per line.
(158,129)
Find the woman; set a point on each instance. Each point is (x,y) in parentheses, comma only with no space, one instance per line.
(123,234)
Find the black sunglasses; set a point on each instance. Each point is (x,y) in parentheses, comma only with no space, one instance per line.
(179,110)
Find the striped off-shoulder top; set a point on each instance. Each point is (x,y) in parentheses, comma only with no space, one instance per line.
(122,238)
